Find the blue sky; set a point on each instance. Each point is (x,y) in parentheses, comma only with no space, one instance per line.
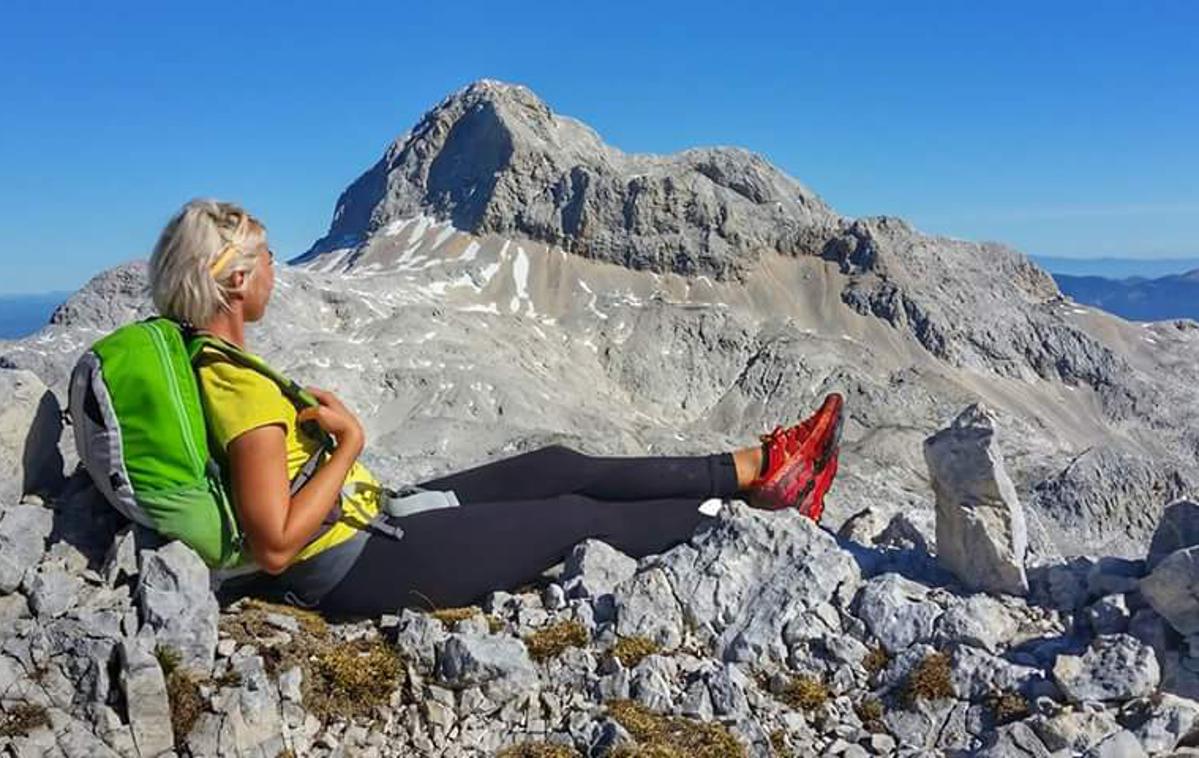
(1062,131)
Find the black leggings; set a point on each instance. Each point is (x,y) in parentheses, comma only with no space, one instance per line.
(519,516)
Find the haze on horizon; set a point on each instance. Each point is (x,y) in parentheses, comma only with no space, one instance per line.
(1063,132)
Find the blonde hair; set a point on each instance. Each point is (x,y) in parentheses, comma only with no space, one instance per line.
(204,232)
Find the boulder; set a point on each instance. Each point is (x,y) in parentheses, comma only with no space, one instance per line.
(1177,528)
(30,427)
(592,570)
(177,604)
(500,666)
(1122,744)
(909,530)
(742,578)
(646,606)
(1114,667)
(145,691)
(1172,589)
(23,533)
(1168,719)
(896,612)
(978,620)
(981,532)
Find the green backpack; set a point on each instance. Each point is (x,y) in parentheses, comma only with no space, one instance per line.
(140,431)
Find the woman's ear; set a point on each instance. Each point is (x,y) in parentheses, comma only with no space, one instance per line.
(237,282)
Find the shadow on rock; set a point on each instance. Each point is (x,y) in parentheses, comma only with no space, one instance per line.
(41,460)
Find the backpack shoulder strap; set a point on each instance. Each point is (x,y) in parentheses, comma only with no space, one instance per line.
(197,340)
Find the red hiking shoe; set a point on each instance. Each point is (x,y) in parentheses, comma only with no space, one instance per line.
(801,462)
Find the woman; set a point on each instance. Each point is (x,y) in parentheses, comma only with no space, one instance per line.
(513,518)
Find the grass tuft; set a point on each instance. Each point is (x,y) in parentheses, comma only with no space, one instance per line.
(537,750)
(875,661)
(1008,707)
(549,642)
(778,744)
(451,616)
(341,680)
(805,693)
(630,650)
(350,679)
(929,680)
(870,712)
(22,718)
(671,736)
(183,693)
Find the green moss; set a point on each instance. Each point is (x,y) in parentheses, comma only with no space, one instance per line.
(660,736)
(929,680)
(537,750)
(22,718)
(630,650)
(549,642)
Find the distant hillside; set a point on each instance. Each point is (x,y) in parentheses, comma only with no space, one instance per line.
(1116,268)
(21,315)
(1137,298)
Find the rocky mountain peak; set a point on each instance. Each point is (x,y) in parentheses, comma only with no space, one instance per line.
(494,158)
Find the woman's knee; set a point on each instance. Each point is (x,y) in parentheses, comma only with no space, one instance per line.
(562,453)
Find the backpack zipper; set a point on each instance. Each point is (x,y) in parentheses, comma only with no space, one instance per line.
(177,395)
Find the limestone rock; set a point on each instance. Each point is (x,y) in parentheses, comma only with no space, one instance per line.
(417,638)
(23,533)
(896,612)
(1114,667)
(176,602)
(592,569)
(53,591)
(1122,744)
(251,723)
(977,620)
(981,533)
(499,665)
(646,606)
(1177,528)
(1168,720)
(145,691)
(30,427)
(1172,589)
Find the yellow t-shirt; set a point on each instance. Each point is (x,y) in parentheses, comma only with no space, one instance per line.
(237,399)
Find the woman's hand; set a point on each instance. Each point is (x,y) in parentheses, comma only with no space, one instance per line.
(335,418)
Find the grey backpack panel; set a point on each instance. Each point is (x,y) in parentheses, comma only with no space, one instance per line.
(98,437)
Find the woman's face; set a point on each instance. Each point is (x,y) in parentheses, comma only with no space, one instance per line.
(260,285)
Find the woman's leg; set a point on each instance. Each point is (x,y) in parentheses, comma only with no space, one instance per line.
(455,556)
(558,470)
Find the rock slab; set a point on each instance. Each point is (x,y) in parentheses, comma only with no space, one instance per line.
(981,533)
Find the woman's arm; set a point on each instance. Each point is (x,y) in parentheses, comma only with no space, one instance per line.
(277,525)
